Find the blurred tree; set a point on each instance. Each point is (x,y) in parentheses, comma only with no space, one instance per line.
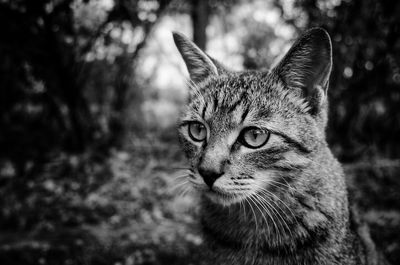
(45,47)
(200,12)
(365,84)
(66,72)
(256,48)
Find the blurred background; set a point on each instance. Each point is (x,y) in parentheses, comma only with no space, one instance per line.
(90,91)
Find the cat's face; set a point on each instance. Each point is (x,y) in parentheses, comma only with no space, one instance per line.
(245,133)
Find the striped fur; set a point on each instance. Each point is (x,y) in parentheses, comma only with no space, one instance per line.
(285,202)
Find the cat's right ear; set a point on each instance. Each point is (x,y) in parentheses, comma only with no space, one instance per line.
(198,63)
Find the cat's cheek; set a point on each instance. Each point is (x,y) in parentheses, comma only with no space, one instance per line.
(264,179)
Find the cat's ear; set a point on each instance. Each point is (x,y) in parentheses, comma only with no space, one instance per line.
(307,66)
(198,63)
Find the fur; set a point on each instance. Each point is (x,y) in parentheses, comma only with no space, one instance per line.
(285,202)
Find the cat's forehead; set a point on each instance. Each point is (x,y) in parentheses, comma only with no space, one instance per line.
(230,99)
(231,86)
(233,97)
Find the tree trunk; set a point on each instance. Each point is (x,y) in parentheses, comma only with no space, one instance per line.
(200,20)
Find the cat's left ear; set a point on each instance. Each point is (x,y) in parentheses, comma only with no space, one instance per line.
(307,67)
(198,63)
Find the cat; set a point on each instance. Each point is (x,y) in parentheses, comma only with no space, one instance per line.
(271,190)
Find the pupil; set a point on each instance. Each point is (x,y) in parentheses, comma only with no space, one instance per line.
(255,134)
(198,129)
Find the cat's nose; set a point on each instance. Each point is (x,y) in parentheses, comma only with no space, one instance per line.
(209,176)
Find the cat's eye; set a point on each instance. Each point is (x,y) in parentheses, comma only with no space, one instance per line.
(197,131)
(254,137)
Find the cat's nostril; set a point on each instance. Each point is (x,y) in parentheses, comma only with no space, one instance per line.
(209,176)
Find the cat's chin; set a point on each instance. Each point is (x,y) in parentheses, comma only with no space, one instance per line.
(223,198)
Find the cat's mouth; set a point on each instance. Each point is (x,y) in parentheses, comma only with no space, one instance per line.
(218,192)
(223,197)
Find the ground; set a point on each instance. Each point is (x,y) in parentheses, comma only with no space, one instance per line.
(125,209)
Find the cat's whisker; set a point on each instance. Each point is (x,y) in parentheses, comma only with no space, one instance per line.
(184,190)
(291,189)
(180,179)
(280,183)
(274,212)
(244,207)
(254,213)
(268,193)
(287,183)
(240,206)
(277,214)
(180,183)
(266,203)
(266,209)
(276,183)
(187,190)
(181,176)
(262,209)
(177,180)
(281,186)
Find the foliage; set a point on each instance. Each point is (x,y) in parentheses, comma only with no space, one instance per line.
(364,95)
(124,209)
(374,187)
(52,52)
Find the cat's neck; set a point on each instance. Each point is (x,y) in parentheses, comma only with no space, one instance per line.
(282,226)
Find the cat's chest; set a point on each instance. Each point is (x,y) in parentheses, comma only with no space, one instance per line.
(320,252)
(222,256)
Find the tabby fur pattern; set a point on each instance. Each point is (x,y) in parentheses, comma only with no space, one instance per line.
(285,202)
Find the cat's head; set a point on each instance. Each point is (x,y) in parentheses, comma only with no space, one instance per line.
(244,132)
